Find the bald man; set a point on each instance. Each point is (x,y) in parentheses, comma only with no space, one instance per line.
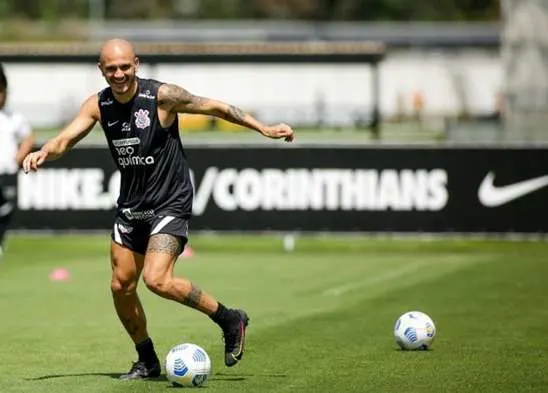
(139,119)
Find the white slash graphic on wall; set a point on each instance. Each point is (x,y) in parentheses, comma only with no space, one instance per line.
(492,196)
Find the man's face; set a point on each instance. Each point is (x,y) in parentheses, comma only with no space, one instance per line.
(119,71)
(3,96)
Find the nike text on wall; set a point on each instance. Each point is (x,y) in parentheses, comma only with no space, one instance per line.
(68,189)
(328,189)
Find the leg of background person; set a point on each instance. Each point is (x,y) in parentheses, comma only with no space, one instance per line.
(6,213)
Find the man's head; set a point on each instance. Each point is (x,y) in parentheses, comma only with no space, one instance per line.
(119,64)
(3,87)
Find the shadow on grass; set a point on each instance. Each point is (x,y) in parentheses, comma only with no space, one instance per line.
(242,377)
(161,378)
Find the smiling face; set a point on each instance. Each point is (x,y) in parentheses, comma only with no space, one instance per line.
(119,64)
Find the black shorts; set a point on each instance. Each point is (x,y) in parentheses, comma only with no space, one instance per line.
(8,194)
(134,234)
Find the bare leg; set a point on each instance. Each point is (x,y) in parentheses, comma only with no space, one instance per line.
(162,252)
(160,258)
(126,269)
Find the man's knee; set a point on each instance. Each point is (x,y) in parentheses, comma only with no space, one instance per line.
(123,286)
(157,282)
(125,272)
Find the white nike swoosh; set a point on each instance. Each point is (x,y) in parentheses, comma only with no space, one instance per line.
(113,123)
(492,196)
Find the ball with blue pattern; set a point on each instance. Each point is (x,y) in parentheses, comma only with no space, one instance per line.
(188,365)
(414,330)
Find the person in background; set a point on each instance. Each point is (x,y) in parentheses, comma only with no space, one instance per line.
(16,141)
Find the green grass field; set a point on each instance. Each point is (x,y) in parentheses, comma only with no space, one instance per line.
(321,316)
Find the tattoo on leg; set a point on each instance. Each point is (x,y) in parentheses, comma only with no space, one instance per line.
(193,298)
(164,243)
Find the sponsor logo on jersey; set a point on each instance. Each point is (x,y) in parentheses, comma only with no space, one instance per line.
(322,189)
(130,160)
(126,152)
(142,118)
(126,127)
(146,94)
(138,215)
(124,228)
(107,102)
(126,142)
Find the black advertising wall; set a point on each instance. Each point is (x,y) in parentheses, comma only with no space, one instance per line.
(387,189)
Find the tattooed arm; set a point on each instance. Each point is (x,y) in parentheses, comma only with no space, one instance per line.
(178,100)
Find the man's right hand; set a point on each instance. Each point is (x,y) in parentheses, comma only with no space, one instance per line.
(34,160)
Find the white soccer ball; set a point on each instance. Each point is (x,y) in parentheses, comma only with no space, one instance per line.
(414,330)
(187,365)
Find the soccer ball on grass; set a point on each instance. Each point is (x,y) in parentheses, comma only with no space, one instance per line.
(187,365)
(414,330)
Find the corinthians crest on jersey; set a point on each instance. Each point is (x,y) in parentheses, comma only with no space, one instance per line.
(142,118)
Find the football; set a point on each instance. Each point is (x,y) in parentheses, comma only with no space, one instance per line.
(187,365)
(414,330)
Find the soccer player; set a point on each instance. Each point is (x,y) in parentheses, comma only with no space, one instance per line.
(16,141)
(139,119)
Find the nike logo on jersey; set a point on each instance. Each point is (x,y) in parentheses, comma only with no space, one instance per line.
(492,196)
(111,123)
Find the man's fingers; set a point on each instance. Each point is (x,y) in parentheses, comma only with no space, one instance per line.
(40,160)
(34,163)
(281,131)
(27,163)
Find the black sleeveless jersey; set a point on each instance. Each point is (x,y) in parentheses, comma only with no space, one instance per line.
(155,177)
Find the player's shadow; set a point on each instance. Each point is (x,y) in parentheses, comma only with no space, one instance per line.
(429,350)
(161,378)
(242,377)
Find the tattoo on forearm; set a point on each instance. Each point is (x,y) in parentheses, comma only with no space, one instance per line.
(164,243)
(194,296)
(235,114)
(183,101)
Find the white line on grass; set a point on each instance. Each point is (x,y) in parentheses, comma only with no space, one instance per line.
(391,275)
